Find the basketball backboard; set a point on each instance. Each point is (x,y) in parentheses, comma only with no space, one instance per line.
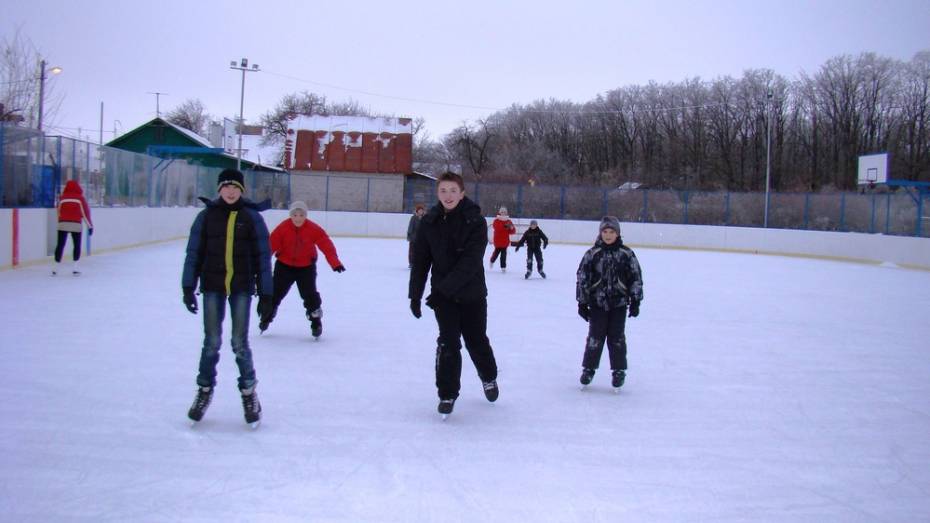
(873,169)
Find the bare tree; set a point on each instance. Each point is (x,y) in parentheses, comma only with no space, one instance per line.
(472,143)
(305,103)
(19,83)
(291,105)
(190,115)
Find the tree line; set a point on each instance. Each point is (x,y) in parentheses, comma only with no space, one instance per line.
(712,135)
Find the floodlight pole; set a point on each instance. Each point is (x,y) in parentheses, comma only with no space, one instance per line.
(768,155)
(244,67)
(42,77)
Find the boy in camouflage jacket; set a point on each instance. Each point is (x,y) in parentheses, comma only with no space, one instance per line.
(609,286)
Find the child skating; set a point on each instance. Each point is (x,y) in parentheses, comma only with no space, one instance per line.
(503,227)
(295,242)
(535,241)
(609,287)
(228,256)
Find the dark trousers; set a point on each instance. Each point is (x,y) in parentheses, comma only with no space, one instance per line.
(609,325)
(502,252)
(60,246)
(305,277)
(468,321)
(534,253)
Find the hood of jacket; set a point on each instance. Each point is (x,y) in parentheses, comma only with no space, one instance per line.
(72,188)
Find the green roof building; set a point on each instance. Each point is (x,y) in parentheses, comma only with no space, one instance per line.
(164,139)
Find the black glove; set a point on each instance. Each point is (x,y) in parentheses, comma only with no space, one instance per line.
(415,308)
(584,311)
(634,308)
(545,245)
(517,249)
(339,268)
(90,231)
(264,306)
(189,300)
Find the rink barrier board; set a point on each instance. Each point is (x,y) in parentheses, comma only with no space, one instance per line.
(120,228)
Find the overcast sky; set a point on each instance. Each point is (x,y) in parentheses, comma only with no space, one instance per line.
(445,63)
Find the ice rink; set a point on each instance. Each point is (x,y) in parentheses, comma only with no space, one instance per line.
(761,388)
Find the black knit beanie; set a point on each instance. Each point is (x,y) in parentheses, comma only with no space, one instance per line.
(230,177)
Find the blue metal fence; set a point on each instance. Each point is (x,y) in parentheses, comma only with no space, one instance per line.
(34,168)
(899,211)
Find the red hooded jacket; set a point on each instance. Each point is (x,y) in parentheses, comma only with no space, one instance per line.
(72,207)
(503,228)
(296,246)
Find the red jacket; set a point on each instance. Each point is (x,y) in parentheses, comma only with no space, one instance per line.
(503,228)
(72,207)
(297,246)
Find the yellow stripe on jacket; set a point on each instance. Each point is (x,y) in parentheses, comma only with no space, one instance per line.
(230,236)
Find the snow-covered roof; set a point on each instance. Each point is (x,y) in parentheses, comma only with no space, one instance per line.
(357,124)
(191,134)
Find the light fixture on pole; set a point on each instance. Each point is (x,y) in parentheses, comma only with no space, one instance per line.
(42,77)
(768,153)
(244,67)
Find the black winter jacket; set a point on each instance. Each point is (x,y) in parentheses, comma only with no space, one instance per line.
(412,227)
(451,246)
(208,248)
(609,276)
(533,238)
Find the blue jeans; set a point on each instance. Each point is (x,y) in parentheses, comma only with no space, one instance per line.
(214,309)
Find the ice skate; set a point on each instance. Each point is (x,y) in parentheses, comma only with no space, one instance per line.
(527,275)
(586,376)
(251,407)
(74,269)
(316,323)
(617,379)
(491,392)
(201,402)
(541,273)
(445,407)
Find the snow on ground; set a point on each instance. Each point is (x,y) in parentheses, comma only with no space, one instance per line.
(760,389)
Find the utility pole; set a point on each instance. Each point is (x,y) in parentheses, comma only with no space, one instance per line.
(42,77)
(157,102)
(100,141)
(244,67)
(768,154)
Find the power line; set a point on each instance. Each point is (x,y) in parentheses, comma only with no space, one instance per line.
(525,109)
(369,93)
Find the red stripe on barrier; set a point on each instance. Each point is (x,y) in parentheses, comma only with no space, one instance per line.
(15,237)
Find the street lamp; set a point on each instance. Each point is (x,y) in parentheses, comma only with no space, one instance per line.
(42,76)
(244,67)
(768,154)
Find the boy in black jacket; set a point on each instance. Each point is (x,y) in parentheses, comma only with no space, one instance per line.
(535,241)
(228,269)
(450,244)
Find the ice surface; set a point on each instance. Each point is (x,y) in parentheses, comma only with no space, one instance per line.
(760,389)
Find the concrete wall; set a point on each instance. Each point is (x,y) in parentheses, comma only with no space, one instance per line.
(348,191)
(126,227)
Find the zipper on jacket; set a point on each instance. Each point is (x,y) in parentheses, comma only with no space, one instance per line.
(230,236)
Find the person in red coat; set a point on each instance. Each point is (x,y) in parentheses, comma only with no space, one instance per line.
(73,213)
(294,242)
(503,228)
